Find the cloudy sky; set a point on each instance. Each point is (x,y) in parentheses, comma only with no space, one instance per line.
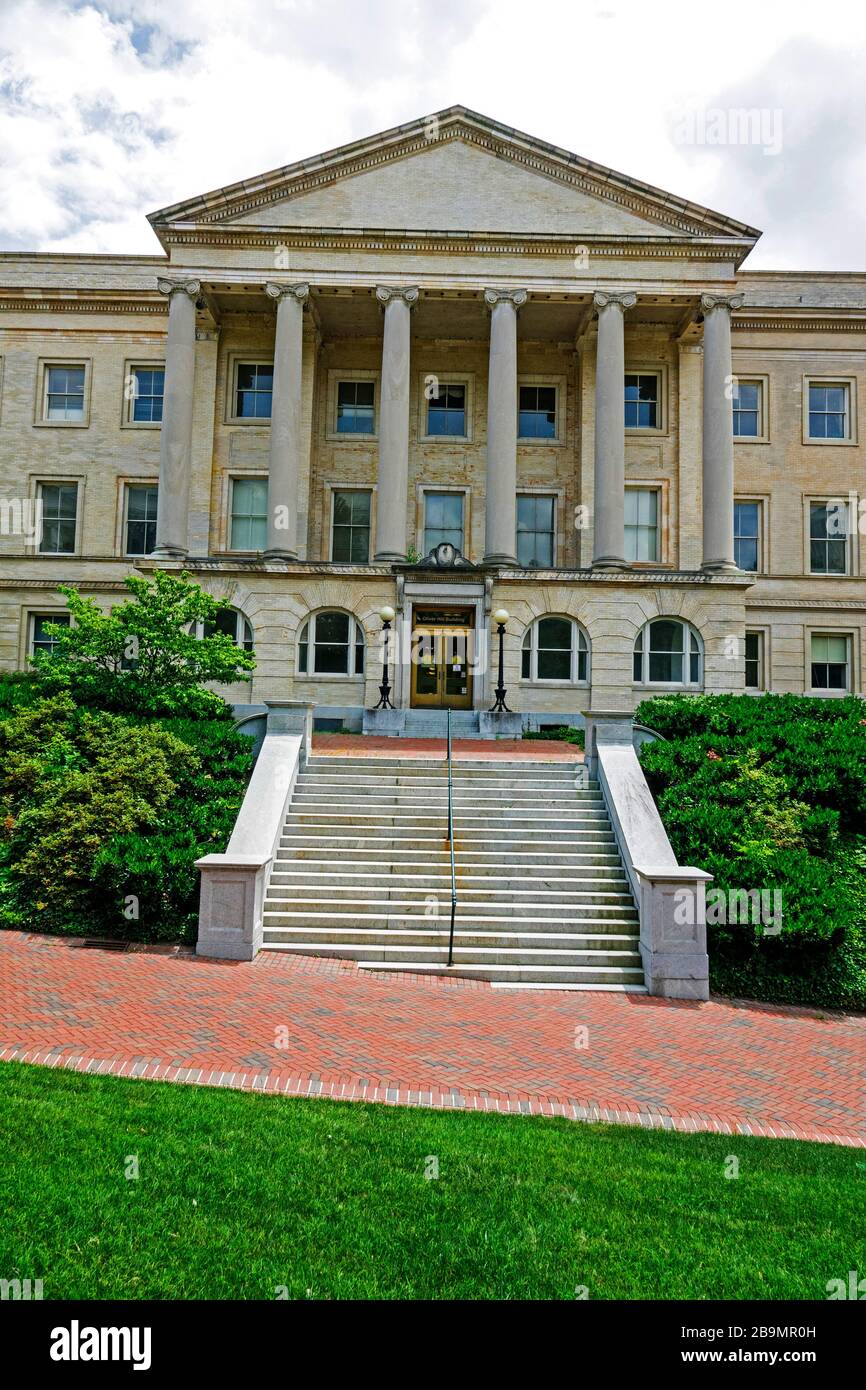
(112,108)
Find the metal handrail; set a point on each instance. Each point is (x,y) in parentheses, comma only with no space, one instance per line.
(451,847)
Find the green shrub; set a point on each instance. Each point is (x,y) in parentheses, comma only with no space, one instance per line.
(770,794)
(102,817)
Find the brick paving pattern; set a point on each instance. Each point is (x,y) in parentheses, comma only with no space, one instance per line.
(161,1013)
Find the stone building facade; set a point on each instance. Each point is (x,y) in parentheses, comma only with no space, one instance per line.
(448,370)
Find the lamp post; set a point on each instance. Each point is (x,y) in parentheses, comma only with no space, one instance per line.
(387,615)
(501,617)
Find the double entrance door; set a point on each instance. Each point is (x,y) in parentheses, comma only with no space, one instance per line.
(443,655)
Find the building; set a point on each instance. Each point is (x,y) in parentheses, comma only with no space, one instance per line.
(448,369)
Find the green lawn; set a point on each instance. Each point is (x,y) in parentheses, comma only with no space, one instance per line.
(241,1193)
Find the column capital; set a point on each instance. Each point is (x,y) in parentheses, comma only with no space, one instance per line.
(171,287)
(408,293)
(492,297)
(626,300)
(275,290)
(721,301)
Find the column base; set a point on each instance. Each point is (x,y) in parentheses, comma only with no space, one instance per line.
(271,555)
(611,562)
(389,557)
(500,559)
(720,567)
(169,552)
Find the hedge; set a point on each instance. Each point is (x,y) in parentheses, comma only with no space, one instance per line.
(769,794)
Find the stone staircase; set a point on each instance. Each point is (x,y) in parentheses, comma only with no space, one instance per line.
(363,872)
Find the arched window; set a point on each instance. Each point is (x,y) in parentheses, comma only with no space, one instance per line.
(232,623)
(555,649)
(331,644)
(668,651)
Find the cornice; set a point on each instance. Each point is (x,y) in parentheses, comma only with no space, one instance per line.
(147,302)
(789,323)
(455,242)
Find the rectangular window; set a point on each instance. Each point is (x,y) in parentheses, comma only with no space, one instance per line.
(535,533)
(141,502)
(747,536)
(642,525)
(40,640)
(64,393)
(828,537)
(642,400)
(249,519)
(355,407)
(443,519)
(829,653)
(59,516)
(829,410)
(350,537)
(446,411)
(537,412)
(754,660)
(147,388)
(748,409)
(254,385)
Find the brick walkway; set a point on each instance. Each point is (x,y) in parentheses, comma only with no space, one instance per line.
(419,1041)
(541,750)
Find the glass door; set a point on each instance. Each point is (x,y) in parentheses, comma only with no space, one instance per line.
(441,671)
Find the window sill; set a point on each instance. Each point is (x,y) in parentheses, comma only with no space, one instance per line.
(141,424)
(829,443)
(316,679)
(553,685)
(61,424)
(334,438)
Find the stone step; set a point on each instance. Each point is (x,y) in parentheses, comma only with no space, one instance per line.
(437,795)
(483,786)
(424,829)
(534,818)
(461,767)
(370,848)
(558,976)
(389,904)
(301,879)
(491,920)
(472,956)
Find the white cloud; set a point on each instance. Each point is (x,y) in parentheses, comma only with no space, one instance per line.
(111,108)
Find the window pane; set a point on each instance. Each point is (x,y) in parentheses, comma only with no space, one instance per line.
(555,632)
(554,665)
(666,636)
(666,667)
(249,514)
(332,627)
(746,554)
(443,514)
(355,407)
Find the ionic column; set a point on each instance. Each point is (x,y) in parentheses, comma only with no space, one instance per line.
(608,550)
(718,434)
(175,443)
(285,444)
(500,531)
(393,474)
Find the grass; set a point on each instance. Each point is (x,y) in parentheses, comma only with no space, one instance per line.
(238,1194)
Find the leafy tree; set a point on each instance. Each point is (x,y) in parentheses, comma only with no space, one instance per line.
(143,657)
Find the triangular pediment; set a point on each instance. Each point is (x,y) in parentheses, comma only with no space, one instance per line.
(453,172)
